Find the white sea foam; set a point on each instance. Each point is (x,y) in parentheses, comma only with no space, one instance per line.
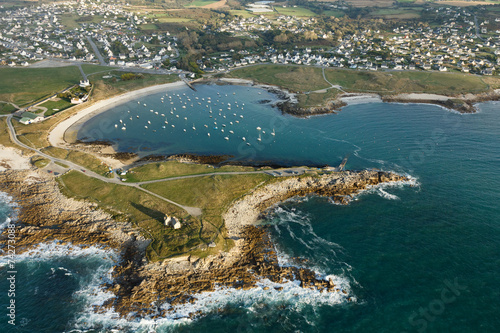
(267,292)
(379,189)
(11,214)
(55,249)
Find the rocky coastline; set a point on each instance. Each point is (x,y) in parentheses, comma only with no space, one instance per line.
(46,215)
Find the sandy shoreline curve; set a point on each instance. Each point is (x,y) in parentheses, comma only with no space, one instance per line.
(65,131)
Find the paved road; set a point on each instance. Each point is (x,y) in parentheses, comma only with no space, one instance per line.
(96,51)
(477,29)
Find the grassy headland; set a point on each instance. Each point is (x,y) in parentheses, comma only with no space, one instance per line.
(167,169)
(213,194)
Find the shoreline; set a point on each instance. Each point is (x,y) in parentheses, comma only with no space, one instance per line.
(65,131)
(47,216)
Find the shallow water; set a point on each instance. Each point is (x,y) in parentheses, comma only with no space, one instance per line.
(415,259)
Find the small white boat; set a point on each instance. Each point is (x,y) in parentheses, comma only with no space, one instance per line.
(208,134)
(273,133)
(258,128)
(226,138)
(124,128)
(244,139)
(145,126)
(116,125)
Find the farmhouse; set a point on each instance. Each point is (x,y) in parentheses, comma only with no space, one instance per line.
(29,118)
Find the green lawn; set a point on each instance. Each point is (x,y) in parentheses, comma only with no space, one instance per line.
(295,11)
(55,106)
(295,78)
(200,3)
(6,108)
(148,26)
(160,170)
(25,85)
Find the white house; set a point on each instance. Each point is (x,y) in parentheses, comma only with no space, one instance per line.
(171,221)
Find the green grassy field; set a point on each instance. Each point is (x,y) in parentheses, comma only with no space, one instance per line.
(399,13)
(406,82)
(85,160)
(160,170)
(213,194)
(55,106)
(148,26)
(200,3)
(241,12)
(6,108)
(295,11)
(317,99)
(70,21)
(141,209)
(295,78)
(25,85)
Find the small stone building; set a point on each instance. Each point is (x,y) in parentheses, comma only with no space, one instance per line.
(171,221)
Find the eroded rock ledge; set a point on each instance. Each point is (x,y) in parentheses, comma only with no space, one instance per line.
(339,186)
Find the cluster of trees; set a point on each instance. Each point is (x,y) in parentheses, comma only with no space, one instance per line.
(131,76)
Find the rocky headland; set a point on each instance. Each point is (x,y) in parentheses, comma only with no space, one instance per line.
(46,215)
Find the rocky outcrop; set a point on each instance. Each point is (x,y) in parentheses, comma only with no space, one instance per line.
(45,215)
(180,280)
(339,186)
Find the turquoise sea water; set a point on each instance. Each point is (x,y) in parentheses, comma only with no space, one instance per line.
(414,259)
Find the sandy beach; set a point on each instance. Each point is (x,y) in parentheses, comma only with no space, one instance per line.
(11,159)
(353,99)
(65,131)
